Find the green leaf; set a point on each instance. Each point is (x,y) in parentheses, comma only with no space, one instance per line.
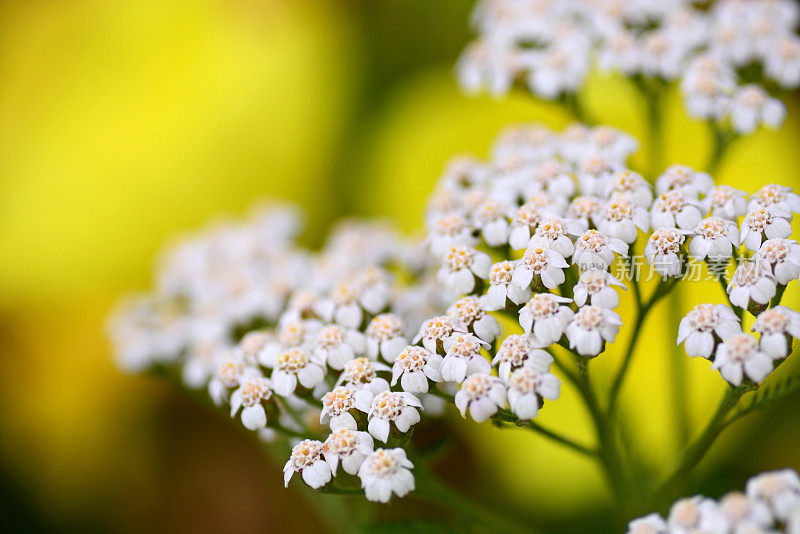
(768,396)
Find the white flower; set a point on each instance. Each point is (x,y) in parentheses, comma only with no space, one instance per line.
(491,218)
(526,386)
(777,326)
(470,312)
(649,524)
(524,225)
(582,211)
(778,199)
(336,345)
(751,281)
(590,328)
(552,231)
(620,217)
(307,459)
(703,325)
(342,305)
(759,224)
(362,373)
(554,177)
(595,285)
(520,351)
(348,445)
(783,258)
(384,336)
(434,332)
(751,106)
(460,266)
(726,202)
(595,171)
(696,514)
(539,265)
(621,51)
(673,210)
(251,394)
(291,333)
(414,366)
(714,238)
(501,288)
(738,356)
(632,185)
(338,403)
(451,229)
(783,65)
(594,249)
(779,490)
(463,357)
(295,365)
(559,69)
(745,515)
(682,178)
(375,287)
(481,394)
(398,407)
(663,251)
(384,472)
(545,317)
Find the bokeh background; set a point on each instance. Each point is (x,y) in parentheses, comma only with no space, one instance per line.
(124,123)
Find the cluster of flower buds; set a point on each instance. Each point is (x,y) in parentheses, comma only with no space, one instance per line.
(770,503)
(723,57)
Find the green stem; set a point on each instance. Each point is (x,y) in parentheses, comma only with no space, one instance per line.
(721,142)
(776,300)
(698,449)
(505,416)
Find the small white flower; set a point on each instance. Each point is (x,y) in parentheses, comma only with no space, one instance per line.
(470,312)
(524,225)
(593,249)
(398,407)
(451,229)
(682,178)
(752,280)
(463,357)
(501,288)
(784,64)
(779,490)
(342,305)
(339,402)
(526,386)
(362,373)
(552,231)
(751,106)
(336,345)
(251,395)
(414,366)
(481,394)
(349,446)
(384,336)
(778,199)
(760,224)
(291,333)
(726,202)
(620,217)
(293,365)
(559,69)
(384,472)
(307,459)
(520,351)
(738,356)
(582,211)
(595,172)
(783,258)
(714,238)
(632,185)
(673,210)
(434,332)
(553,177)
(744,514)
(649,524)
(545,317)
(696,514)
(777,326)
(590,328)
(491,218)
(700,326)
(460,266)
(539,266)
(663,251)
(596,286)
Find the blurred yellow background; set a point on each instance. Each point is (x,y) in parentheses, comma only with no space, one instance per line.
(124,123)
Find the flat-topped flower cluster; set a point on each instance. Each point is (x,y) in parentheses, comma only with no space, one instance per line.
(728,58)
(770,504)
(296,342)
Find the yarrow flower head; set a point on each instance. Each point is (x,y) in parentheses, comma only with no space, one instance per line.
(307,460)
(482,395)
(705,326)
(386,472)
(396,407)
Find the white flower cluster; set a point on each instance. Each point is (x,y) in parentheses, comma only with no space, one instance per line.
(723,57)
(770,504)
